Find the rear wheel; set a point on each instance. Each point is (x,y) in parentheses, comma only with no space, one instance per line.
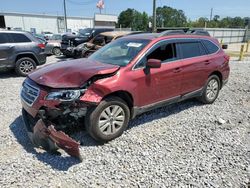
(24,66)
(211,90)
(108,120)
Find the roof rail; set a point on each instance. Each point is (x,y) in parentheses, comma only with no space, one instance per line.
(198,32)
(171,32)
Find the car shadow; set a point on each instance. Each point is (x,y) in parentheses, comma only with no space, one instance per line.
(63,58)
(8,74)
(63,163)
(164,112)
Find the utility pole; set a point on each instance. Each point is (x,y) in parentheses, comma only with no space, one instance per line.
(154,16)
(211,14)
(65,16)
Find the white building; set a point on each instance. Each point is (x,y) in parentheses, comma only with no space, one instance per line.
(41,23)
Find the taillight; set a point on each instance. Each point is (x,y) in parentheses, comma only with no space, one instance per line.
(41,45)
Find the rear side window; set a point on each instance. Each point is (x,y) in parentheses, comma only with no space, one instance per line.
(18,38)
(211,47)
(3,38)
(191,49)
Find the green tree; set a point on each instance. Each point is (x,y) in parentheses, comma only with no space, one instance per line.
(229,22)
(170,17)
(201,22)
(125,18)
(216,18)
(133,19)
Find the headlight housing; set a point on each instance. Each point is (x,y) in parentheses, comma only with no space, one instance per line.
(65,95)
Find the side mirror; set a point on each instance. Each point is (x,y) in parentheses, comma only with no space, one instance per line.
(224,46)
(153,63)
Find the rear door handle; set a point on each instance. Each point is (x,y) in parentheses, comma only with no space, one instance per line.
(176,70)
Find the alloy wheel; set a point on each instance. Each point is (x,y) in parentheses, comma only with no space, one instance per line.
(212,89)
(26,66)
(111,120)
(57,51)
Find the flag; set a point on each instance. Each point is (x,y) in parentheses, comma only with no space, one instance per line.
(100,4)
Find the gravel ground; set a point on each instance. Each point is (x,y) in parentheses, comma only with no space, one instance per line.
(182,145)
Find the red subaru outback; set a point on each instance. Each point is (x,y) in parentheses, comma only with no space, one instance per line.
(125,78)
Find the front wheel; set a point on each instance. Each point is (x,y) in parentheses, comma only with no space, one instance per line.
(108,120)
(211,90)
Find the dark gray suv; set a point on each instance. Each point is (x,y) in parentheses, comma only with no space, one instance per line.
(21,51)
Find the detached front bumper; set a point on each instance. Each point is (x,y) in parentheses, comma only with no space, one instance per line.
(43,134)
(46,131)
(39,121)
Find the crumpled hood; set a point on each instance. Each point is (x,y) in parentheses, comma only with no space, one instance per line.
(70,74)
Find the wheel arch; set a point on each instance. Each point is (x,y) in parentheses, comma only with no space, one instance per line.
(219,74)
(30,55)
(124,95)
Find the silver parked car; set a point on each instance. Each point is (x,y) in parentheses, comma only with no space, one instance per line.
(53,45)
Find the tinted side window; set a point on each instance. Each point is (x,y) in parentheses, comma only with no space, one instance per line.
(211,47)
(191,49)
(17,38)
(164,53)
(3,38)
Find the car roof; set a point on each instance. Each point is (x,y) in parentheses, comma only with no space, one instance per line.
(115,33)
(158,36)
(148,36)
(12,31)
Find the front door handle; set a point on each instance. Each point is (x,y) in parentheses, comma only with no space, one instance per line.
(176,70)
(207,62)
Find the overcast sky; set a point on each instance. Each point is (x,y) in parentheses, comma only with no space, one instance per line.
(192,8)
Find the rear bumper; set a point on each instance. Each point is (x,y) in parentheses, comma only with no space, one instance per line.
(42,57)
(48,49)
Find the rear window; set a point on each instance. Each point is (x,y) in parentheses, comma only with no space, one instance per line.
(18,38)
(191,49)
(211,47)
(3,38)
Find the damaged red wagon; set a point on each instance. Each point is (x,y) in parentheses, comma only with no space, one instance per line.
(125,78)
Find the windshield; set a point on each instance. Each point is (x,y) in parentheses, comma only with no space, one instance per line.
(119,52)
(85,32)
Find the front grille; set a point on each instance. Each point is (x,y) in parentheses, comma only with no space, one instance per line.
(29,93)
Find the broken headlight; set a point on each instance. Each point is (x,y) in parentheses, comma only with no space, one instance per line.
(65,95)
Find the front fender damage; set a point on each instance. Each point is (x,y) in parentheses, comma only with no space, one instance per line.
(47,137)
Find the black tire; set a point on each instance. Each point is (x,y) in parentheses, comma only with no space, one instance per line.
(205,97)
(56,51)
(94,114)
(24,66)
